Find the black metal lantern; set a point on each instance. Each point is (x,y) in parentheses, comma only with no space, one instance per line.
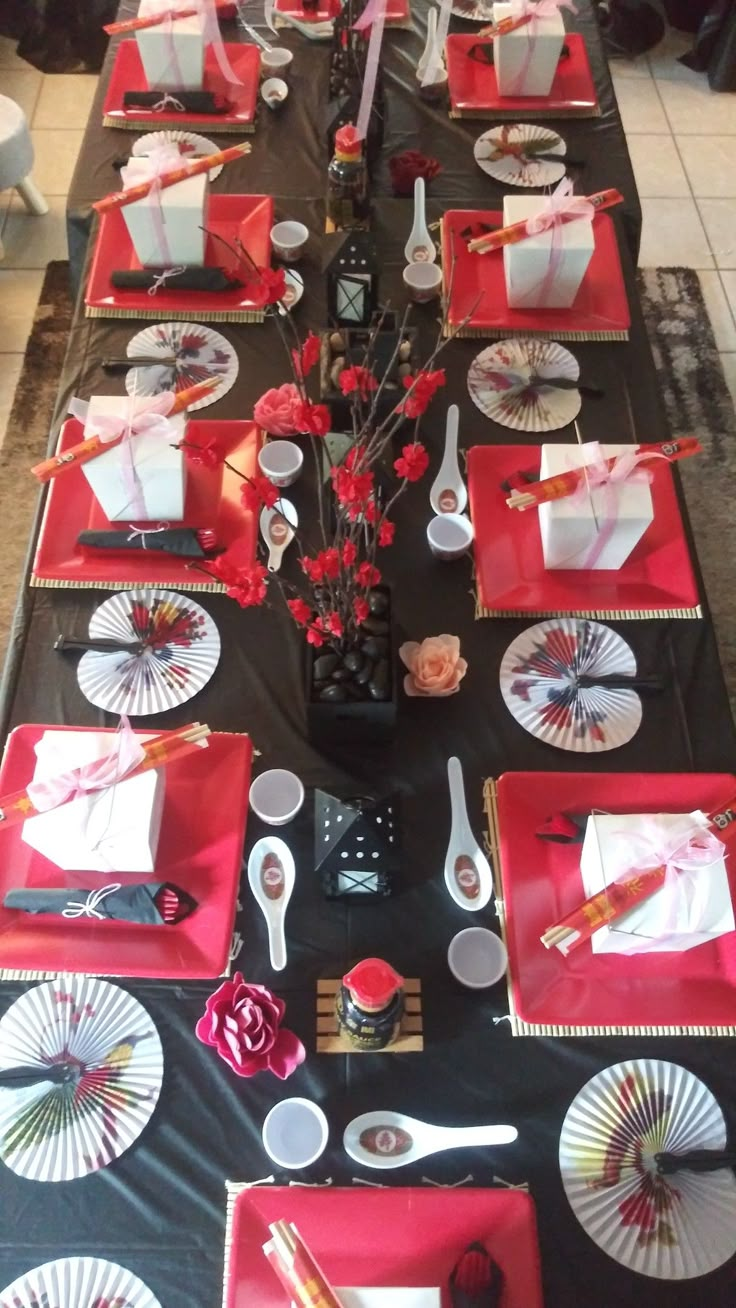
(352,279)
(356,846)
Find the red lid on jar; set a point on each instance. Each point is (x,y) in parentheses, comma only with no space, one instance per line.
(373,982)
(347,141)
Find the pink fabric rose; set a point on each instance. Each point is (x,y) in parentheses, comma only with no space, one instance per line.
(435,666)
(243,1023)
(276,411)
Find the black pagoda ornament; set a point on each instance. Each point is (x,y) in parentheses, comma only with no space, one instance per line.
(352,278)
(356,846)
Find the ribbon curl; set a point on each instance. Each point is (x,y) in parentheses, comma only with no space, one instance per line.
(90,777)
(598,476)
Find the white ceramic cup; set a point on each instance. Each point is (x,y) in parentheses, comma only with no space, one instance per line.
(295,1133)
(275,62)
(281,461)
(423,281)
(450,535)
(289,239)
(274,91)
(477,958)
(276,796)
(435,89)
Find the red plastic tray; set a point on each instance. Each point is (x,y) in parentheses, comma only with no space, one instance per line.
(657,579)
(391,1237)
(212,500)
(128,75)
(600,311)
(398,12)
(474,89)
(203,857)
(249,217)
(542,882)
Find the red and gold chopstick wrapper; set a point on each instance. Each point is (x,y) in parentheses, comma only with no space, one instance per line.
(566,483)
(119,199)
(226,10)
(502,28)
(516,232)
(160,751)
(93,446)
(618,898)
(297,1269)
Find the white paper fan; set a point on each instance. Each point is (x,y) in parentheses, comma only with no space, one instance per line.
(200,352)
(673,1227)
(78,1283)
(523,169)
(190,145)
(112,1057)
(181,652)
(539,685)
(504,380)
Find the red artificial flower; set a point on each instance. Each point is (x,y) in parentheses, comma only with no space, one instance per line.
(299,611)
(315,637)
(332,622)
(250,588)
(366,575)
(313,568)
(386,532)
(421,388)
(352,488)
(357,379)
(305,359)
(209,455)
(413,463)
(349,553)
(330,560)
(277,410)
(372,511)
(259,491)
(405,168)
(360,609)
(242,1021)
(314,418)
(273,283)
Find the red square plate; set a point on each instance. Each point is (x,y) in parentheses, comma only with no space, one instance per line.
(398,12)
(540,882)
(212,500)
(203,857)
(391,1236)
(249,217)
(128,75)
(477,288)
(657,579)
(474,90)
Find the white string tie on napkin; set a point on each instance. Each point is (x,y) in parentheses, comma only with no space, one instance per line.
(162,277)
(89,907)
(146,531)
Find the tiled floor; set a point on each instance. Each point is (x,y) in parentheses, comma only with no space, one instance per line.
(682,139)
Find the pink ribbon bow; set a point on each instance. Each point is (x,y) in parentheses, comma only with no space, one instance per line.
(541,9)
(160,159)
(560,207)
(145,417)
(90,777)
(212,36)
(626,469)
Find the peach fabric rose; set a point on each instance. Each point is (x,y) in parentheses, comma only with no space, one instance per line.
(276,411)
(435,666)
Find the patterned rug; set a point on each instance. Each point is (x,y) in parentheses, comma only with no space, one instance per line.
(694,390)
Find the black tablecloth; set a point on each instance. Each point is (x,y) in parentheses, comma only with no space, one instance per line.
(159,1209)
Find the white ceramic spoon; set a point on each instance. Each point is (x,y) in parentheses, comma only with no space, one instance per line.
(385,1139)
(448,493)
(428,53)
(271,875)
(277,529)
(468,874)
(420,247)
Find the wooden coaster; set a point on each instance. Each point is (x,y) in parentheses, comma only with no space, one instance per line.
(331,1041)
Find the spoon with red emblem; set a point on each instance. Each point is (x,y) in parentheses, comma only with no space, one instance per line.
(385,1139)
(468,874)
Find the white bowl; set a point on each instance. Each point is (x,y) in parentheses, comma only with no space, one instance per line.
(449,536)
(295,1133)
(423,281)
(274,92)
(276,796)
(281,461)
(289,239)
(477,958)
(275,62)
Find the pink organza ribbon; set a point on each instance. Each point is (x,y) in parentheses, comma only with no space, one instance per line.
(99,775)
(159,160)
(559,208)
(145,417)
(540,9)
(373,16)
(207,10)
(626,469)
(685,857)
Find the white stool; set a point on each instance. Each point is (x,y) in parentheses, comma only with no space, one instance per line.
(16,157)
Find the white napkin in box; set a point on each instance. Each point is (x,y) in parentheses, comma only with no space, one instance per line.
(525,264)
(526,62)
(568,527)
(183,214)
(662,923)
(160,468)
(172,53)
(113,830)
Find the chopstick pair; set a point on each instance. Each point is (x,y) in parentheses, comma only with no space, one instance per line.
(566,483)
(517,232)
(301,1276)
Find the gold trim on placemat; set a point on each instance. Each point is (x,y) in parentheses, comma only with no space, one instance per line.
(212,587)
(410,1039)
(201,315)
(179,120)
(600,615)
(519,1027)
(492,113)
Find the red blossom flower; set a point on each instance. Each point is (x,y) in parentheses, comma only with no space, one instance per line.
(366,575)
(315,637)
(330,560)
(386,532)
(421,388)
(300,611)
(405,168)
(305,359)
(314,418)
(249,590)
(349,553)
(372,511)
(357,379)
(209,455)
(351,488)
(332,622)
(277,410)
(272,284)
(413,463)
(257,491)
(242,1022)
(313,568)
(360,609)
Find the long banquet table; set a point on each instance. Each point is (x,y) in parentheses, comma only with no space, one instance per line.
(159,1209)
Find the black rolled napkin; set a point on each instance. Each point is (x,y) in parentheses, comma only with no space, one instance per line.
(184,542)
(178,102)
(180,278)
(159,903)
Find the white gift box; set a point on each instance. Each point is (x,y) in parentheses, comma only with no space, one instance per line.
(183,215)
(172,53)
(570,527)
(389,1297)
(526,60)
(160,469)
(526,263)
(112,830)
(663,923)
